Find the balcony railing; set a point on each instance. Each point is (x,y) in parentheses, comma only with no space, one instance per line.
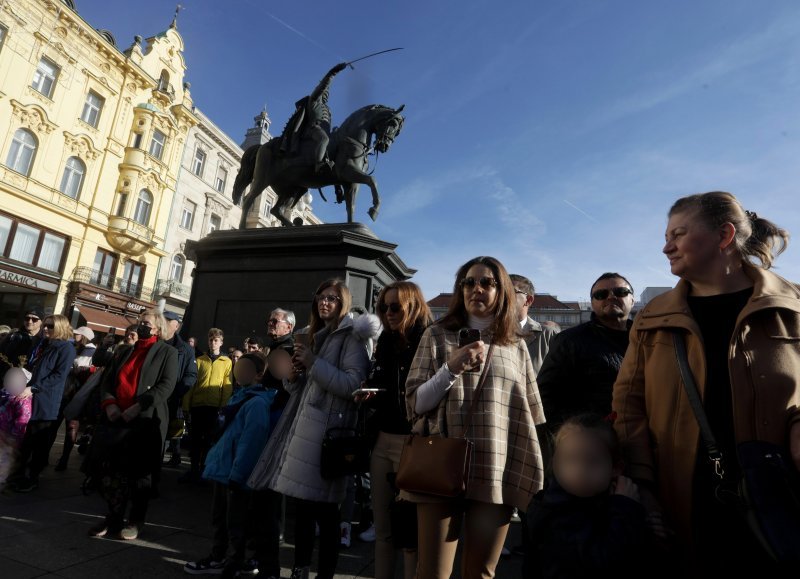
(115,284)
(172,288)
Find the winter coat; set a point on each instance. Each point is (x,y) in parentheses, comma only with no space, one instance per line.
(584,538)
(290,463)
(16,349)
(213,386)
(187,366)
(657,428)
(538,338)
(234,455)
(156,381)
(579,371)
(50,374)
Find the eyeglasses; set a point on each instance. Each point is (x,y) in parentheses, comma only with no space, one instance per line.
(394,307)
(274,322)
(520,292)
(328,298)
(619,292)
(31,319)
(484,282)
(48,326)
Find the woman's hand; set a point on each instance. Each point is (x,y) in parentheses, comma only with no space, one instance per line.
(359,397)
(655,519)
(794,444)
(131,412)
(303,357)
(113,412)
(627,488)
(466,358)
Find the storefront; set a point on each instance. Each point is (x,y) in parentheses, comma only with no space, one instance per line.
(102,310)
(21,290)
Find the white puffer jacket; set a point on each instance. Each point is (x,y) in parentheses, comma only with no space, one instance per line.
(290,462)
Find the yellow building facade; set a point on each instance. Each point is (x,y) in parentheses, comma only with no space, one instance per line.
(91,141)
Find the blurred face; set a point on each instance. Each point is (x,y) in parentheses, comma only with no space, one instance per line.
(691,247)
(235,355)
(329,304)
(14,382)
(47,327)
(214,344)
(582,463)
(32,324)
(245,372)
(277,326)
(150,322)
(392,309)
(191,342)
(79,339)
(608,302)
(523,300)
(480,291)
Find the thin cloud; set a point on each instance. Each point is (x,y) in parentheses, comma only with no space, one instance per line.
(579,210)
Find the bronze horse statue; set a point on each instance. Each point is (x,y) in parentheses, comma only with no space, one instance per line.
(290,177)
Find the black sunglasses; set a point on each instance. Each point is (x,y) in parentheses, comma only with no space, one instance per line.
(619,292)
(49,326)
(484,282)
(394,307)
(31,319)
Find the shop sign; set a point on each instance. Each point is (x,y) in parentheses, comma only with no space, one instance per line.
(27,281)
(138,308)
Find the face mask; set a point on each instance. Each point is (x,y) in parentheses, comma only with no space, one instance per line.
(143,331)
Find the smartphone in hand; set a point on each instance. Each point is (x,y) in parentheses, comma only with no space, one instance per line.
(368,390)
(467,336)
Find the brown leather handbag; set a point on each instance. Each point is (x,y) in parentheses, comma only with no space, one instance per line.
(437,465)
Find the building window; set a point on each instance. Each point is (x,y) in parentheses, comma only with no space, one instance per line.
(143,206)
(131,278)
(214,223)
(157,144)
(22,152)
(222,178)
(91,109)
(3,34)
(267,208)
(44,79)
(198,162)
(30,244)
(123,201)
(176,269)
(137,140)
(72,180)
(103,270)
(187,215)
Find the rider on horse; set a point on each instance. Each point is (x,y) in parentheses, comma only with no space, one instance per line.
(312,120)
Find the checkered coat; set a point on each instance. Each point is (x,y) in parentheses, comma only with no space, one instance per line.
(507,462)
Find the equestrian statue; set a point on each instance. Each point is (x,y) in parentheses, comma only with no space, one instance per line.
(311,155)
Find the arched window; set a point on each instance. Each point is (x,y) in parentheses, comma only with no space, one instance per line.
(143,206)
(163,81)
(22,152)
(72,180)
(176,269)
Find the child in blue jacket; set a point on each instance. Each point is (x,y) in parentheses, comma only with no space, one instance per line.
(245,427)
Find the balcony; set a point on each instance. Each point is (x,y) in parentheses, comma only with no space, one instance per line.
(114,284)
(169,288)
(129,236)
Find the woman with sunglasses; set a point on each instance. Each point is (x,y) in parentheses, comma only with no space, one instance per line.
(506,466)
(50,369)
(327,370)
(404,315)
(740,323)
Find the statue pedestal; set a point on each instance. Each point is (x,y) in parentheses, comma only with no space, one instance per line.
(242,275)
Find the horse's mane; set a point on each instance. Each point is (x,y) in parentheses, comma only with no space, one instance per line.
(358,114)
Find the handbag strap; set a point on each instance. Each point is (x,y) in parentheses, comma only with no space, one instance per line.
(710,443)
(478,390)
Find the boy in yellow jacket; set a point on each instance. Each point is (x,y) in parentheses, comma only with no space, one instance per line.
(204,399)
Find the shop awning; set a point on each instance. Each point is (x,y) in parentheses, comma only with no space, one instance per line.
(101,320)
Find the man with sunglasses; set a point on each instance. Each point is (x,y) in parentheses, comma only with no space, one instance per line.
(579,371)
(16,349)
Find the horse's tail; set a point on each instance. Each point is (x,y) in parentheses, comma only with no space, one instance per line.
(247,169)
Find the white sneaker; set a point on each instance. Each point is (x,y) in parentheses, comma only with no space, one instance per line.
(345,534)
(368,536)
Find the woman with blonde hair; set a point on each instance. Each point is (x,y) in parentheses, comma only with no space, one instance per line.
(404,315)
(739,323)
(50,365)
(506,469)
(134,393)
(326,373)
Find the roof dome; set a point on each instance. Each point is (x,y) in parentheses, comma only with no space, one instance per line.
(108,36)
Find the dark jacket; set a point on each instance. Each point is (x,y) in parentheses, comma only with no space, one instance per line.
(156,381)
(187,366)
(579,371)
(392,363)
(573,537)
(50,374)
(19,344)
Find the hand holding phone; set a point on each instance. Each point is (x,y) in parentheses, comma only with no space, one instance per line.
(364,394)
(469,356)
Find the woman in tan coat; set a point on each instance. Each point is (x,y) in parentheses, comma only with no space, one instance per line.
(741,325)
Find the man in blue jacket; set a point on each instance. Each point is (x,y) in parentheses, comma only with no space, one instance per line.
(187,376)
(244,425)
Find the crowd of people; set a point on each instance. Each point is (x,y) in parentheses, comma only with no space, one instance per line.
(587,434)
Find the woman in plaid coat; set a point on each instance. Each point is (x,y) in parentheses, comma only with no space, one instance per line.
(507,463)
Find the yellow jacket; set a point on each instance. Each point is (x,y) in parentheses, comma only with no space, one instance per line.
(213,386)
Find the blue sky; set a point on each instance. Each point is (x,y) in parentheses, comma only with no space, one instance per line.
(553,135)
